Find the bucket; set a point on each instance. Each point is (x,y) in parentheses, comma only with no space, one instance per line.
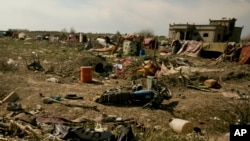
(181,126)
(142,52)
(86,73)
(150,82)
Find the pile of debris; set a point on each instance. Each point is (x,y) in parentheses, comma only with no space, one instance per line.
(31,125)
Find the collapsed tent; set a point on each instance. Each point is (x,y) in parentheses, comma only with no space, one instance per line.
(190,48)
(217,47)
(200,49)
(213,50)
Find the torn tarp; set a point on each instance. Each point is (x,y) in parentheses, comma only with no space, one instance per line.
(190,48)
(79,133)
(245,55)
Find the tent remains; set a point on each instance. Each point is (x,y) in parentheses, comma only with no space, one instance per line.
(193,48)
(190,48)
(21,36)
(245,55)
(149,43)
(216,47)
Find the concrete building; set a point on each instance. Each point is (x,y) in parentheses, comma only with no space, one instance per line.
(222,30)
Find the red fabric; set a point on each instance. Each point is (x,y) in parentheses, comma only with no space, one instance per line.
(150,43)
(245,55)
(147,40)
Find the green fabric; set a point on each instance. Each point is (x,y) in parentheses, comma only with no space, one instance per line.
(218,47)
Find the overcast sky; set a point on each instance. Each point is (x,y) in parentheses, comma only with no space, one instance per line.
(125,16)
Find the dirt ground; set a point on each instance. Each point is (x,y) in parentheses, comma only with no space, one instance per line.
(207,110)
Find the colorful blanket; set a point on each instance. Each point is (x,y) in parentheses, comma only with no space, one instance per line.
(245,55)
(190,48)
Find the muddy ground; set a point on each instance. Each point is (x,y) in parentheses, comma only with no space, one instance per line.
(211,111)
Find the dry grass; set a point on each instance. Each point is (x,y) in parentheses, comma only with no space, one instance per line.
(210,111)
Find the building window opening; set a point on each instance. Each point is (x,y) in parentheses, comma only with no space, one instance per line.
(218,37)
(205,35)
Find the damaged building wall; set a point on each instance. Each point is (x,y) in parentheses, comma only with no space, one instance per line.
(223,30)
(236,34)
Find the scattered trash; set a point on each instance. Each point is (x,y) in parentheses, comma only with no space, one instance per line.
(53,79)
(126,134)
(119,70)
(99,128)
(26,117)
(137,87)
(49,100)
(35,64)
(33,125)
(73,96)
(130,48)
(197,130)
(57,98)
(25,129)
(150,82)
(142,52)
(113,76)
(148,69)
(200,87)
(211,83)
(84,134)
(13,106)
(184,62)
(182,96)
(12,97)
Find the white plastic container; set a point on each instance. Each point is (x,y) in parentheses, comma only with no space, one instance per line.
(181,126)
(80,37)
(150,82)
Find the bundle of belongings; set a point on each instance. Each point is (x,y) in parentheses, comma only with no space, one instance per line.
(245,55)
(135,96)
(108,46)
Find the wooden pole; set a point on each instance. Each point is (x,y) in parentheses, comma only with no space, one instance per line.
(155,48)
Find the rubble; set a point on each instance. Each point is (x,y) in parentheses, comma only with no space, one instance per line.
(68,112)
